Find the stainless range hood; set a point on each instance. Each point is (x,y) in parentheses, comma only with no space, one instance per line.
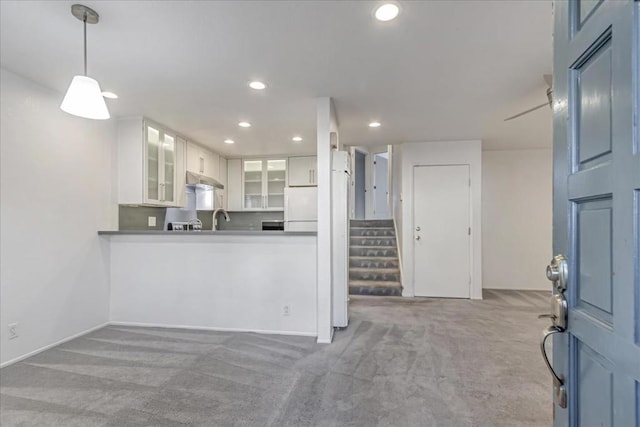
(194,178)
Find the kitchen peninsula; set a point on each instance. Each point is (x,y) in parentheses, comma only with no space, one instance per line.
(241,279)
(219,280)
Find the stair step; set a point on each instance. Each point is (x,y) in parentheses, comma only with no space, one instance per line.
(375,283)
(373,251)
(381,270)
(373,241)
(372,231)
(357,287)
(375,274)
(371,223)
(373,262)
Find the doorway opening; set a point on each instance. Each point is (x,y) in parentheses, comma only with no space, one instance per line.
(381,186)
(359,184)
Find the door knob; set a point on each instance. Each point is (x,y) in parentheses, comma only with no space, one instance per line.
(417,237)
(557,271)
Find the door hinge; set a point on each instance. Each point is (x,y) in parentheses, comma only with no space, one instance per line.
(469,231)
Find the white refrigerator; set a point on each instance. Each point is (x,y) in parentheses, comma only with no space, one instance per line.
(301,209)
(340,185)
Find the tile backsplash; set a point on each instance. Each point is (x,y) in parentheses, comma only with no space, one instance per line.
(243,220)
(136,218)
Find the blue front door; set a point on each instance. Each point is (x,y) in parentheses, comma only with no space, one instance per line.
(596,212)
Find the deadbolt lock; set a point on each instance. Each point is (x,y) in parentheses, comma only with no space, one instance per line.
(557,271)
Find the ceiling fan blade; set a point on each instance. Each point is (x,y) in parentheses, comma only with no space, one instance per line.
(548,78)
(526,112)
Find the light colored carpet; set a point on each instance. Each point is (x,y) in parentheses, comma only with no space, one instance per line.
(401,362)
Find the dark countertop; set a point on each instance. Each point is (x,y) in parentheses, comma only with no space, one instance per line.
(205,233)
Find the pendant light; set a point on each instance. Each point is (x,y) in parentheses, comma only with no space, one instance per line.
(84,97)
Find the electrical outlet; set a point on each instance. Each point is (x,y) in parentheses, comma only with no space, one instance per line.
(151,221)
(286,311)
(13,330)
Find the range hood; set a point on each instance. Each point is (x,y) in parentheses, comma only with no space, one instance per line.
(195,178)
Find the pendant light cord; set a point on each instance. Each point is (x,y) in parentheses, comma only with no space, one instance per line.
(85,42)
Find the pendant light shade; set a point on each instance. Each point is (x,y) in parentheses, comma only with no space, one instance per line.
(84,97)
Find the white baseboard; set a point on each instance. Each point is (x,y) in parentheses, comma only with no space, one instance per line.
(47,347)
(211,328)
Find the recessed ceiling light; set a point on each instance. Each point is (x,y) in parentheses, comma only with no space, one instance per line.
(244,124)
(374,125)
(229,141)
(387,12)
(257,85)
(296,139)
(109,95)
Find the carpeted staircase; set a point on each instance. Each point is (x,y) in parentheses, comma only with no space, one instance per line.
(373,258)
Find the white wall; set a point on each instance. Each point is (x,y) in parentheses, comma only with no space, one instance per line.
(396,194)
(56,193)
(442,153)
(516,218)
(218,282)
(327,123)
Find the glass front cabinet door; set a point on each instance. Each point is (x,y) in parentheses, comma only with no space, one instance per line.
(253,197)
(276,179)
(263,184)
(160,166)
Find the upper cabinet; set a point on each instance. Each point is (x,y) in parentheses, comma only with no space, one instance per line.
(234,185)
(222,193)
(202,161)
(302,171)
(151,164)
(263,184)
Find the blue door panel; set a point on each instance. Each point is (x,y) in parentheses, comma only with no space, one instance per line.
(593,94)
(594,287)
(594,388)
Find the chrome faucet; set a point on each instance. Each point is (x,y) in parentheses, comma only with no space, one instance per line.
(215,220)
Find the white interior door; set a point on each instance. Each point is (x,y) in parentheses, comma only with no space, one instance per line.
(380,186)
(441,215)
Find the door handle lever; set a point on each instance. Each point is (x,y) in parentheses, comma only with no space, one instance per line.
(558,382)
(547,316)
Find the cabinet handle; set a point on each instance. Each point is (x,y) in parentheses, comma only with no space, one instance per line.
(313,173)
(310,178)
(201,164)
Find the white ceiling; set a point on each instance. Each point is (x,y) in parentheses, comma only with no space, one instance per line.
(437,72)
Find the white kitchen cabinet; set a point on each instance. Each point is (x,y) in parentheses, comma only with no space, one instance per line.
(234,185)
(202,161)
(222,194)
(302,171)
(149,163)
(263,182)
